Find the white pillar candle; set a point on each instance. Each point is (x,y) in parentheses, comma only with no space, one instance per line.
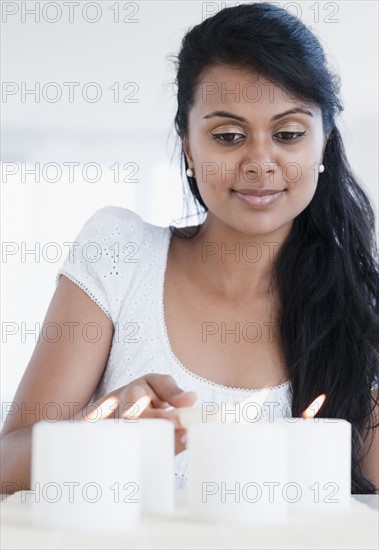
(320,464)
(319,456)
(157,464)
(189,416)
(86,476)
(237,472)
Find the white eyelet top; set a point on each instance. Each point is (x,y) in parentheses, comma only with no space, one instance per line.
(120,261)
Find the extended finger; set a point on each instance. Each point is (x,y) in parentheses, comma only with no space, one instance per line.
(166,389)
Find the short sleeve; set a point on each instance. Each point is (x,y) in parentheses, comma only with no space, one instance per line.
(103,258)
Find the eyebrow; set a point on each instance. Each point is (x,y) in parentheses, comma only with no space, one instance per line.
(224,114)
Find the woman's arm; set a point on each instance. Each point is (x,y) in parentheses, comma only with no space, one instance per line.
(64,373)
(62,376)
(370,463)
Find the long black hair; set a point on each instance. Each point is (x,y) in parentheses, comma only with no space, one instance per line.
(327,270)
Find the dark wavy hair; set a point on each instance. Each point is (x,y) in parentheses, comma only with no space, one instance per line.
(327,269)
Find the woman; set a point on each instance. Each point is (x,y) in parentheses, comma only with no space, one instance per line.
(276,291)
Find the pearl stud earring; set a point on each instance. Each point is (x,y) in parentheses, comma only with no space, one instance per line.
(189,172)
(321,168)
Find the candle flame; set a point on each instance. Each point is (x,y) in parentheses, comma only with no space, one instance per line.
(317,403)
(137,408)
(104,410)
(254,399)
(257,400)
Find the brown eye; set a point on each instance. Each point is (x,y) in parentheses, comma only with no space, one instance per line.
(227,137)
(289,136)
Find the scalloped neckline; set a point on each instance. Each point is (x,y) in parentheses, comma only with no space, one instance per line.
(168,345)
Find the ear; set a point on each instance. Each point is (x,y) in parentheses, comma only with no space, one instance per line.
(187,150)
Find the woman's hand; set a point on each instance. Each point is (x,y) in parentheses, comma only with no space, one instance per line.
(146,397)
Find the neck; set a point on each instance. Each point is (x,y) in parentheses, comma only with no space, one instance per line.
(234,264)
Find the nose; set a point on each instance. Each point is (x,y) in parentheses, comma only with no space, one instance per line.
(259,161)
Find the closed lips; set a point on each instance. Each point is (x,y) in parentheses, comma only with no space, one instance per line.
(257,193)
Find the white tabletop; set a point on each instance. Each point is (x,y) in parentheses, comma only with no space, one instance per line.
(357,529)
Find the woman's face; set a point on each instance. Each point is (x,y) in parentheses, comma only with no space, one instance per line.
(245,136)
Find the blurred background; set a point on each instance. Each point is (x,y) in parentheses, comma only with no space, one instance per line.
(88,103)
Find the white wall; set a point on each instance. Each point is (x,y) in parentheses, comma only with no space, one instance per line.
(106,131)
